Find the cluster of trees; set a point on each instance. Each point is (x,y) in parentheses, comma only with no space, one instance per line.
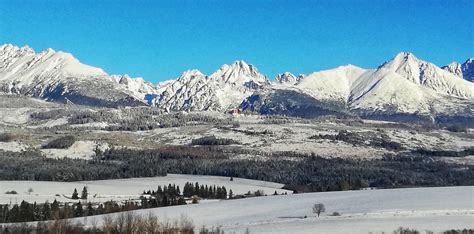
(26,212)
(205,191)
(445,153)
(31,165)
(212,140)
(139,119)
(60,143)
(6,137)
(357,139)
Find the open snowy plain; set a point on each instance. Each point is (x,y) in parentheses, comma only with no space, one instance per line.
(367,211)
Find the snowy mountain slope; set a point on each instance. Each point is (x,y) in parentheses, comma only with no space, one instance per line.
(58,76)
(454,68)
(191,91)
(465,70)
(225,88)
(404,86)
(135,86)
(429,75)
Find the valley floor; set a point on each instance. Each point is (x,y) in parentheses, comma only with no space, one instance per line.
(434,209)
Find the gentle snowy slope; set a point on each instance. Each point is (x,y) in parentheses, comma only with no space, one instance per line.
(429,75)
(435,209)
(123,189)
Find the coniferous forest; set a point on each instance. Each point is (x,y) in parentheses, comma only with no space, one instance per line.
(307,173)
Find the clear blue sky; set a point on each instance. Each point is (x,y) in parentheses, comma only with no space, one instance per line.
(160,39)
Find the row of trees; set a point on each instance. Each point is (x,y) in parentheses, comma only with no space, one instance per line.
(205,191)
(27,212)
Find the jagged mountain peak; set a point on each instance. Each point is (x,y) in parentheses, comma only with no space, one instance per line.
(10,47)
(465,70)
(402,59)
(239,73)
(191,73)
(428,75)
(288,78)
(454,68)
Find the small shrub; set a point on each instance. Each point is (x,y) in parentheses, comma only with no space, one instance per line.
(11,192)
(335,213)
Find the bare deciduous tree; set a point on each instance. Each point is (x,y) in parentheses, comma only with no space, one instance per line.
(318,208)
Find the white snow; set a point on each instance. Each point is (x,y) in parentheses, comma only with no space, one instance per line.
(16,116)
(78,150)
(123,189)
(13,146)
(376,211)
(226,88)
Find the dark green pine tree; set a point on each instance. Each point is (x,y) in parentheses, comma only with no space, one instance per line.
(26,212)
(84,193)
(36,212)
(75,195)
(78,210)
(55,210)
(90,209)
(14,214)
(2,214)
(224,193)
(46,211)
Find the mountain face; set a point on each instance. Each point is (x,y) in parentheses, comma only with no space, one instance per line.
(58,76)
(224,89)
(465,70)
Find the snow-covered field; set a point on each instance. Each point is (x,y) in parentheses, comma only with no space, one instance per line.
(122,189)
(376,211)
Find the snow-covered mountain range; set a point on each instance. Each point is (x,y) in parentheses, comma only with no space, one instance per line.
(404,86)
(58,76)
